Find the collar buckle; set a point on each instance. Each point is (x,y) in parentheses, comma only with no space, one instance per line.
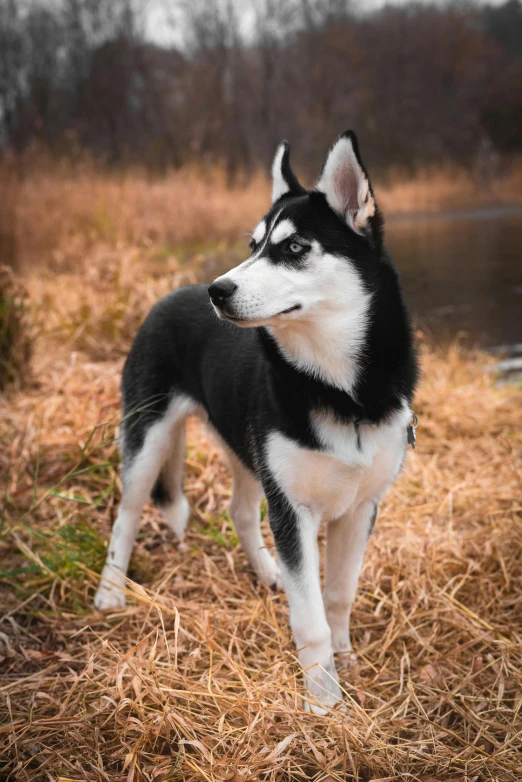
(412,438)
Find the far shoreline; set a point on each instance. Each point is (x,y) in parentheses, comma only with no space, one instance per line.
(493,211)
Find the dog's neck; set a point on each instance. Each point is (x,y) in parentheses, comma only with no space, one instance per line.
(327,348)
(359,363)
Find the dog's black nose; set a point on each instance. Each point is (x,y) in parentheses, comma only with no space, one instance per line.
(221,289)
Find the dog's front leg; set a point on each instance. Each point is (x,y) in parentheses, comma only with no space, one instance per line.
(295,532)
(346,540)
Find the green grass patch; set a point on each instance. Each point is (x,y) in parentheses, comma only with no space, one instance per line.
(62,555)
(221,530)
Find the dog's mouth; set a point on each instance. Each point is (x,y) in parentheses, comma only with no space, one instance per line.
(253,321)
(291,309)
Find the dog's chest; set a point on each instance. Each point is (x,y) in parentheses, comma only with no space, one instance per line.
(354,464)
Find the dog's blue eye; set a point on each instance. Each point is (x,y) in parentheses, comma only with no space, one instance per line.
(294,247)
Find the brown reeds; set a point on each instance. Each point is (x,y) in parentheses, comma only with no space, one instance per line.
(197,679)
(15,331)
(54,212)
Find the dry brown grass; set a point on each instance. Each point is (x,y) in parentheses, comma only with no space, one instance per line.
(197,679)
(448,188)
(15,331)
(61,213)
(55,213)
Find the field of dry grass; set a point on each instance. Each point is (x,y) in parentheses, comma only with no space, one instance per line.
(197,679)
(51,213)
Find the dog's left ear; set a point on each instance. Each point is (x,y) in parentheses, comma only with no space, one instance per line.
(347,188)
(284,181)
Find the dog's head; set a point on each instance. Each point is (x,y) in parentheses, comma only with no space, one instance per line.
(313,252)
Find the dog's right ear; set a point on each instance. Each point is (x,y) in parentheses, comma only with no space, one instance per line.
(284,181)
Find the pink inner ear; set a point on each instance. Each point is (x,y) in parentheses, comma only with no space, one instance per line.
(347,187)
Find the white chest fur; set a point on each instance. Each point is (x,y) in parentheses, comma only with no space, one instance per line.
(357,463)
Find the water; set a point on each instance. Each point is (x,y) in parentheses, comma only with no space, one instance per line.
(462,273)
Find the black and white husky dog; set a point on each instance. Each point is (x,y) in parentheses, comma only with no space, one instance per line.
(309,391)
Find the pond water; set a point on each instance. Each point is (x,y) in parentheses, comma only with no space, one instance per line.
(462,273)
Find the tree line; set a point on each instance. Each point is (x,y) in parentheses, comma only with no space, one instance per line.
(421,84)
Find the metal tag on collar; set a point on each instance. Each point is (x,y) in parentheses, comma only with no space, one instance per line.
(412,439)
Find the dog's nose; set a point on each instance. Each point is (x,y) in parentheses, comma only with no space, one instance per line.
(221,289)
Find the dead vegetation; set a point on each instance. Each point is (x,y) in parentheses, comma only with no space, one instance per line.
(55,213)
(15,331)
(197,679)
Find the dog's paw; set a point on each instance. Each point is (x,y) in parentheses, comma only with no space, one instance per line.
(176,516)
(343,647)
(110,596)
(108,599)
(341,641)
(269,573)
(347,656)
(323,688)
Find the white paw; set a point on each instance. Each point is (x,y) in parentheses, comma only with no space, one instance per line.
(109,598)
(341,642)
(348,655)
(268,573)
(323,688)
(111,591)
(177,515)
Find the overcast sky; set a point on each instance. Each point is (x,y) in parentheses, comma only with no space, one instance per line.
(161,27)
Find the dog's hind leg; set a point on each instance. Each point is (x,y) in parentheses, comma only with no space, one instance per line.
(137,479)
(245,514)
(140,470)
(346,540)
(167,493)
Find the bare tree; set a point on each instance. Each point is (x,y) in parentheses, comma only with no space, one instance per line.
(420,83)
